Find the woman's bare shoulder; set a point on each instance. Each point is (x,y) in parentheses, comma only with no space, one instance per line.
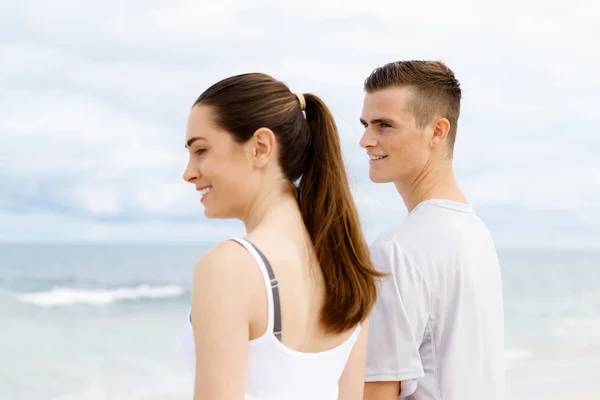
(227,264)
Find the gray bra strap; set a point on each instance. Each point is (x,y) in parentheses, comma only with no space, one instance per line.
(275,290)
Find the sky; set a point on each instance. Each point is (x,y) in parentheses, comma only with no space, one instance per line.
(94,97)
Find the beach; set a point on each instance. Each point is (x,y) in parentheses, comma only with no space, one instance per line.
(577,380)
(576,395)
(95,322)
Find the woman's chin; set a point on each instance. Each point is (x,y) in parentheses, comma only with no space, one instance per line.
(211,213)
(208,213)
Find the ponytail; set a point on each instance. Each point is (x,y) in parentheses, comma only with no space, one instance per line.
(332,221)
(310,152)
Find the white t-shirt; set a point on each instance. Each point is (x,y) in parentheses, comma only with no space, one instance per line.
(438,324)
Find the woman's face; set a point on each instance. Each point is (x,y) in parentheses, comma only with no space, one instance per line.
(220,168)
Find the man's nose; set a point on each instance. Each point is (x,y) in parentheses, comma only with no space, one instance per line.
(367,140)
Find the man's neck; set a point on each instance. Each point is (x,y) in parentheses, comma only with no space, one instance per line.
(434,182)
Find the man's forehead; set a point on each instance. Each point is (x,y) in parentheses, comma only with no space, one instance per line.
(385,104)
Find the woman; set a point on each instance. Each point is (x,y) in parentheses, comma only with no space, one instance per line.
(281,313)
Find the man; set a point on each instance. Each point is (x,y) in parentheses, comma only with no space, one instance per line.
(437,330)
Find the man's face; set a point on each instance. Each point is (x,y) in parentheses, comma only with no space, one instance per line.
(397,148)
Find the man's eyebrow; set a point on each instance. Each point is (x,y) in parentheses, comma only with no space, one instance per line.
(379,121)
(192,140)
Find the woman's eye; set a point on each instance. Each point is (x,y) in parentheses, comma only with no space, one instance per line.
(199,151)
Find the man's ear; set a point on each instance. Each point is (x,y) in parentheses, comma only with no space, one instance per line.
(441,127)
(264,146)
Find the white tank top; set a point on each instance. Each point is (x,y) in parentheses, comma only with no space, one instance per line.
(275,371)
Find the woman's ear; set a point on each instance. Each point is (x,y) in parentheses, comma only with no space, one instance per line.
(264,146)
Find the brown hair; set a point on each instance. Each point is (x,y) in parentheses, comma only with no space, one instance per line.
(310,153)
(436,91)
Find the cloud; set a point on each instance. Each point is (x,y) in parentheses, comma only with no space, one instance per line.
(95,98)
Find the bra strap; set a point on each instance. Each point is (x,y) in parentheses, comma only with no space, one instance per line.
(270,280)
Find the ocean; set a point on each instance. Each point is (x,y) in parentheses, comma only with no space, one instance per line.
(95,322)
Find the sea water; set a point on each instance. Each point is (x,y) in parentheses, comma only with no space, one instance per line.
(104,321)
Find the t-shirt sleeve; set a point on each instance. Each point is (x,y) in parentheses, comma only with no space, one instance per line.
(399,318)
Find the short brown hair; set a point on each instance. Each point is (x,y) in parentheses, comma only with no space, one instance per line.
(436,91)
(310,153)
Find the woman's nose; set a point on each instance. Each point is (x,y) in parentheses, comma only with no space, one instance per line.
(190,173)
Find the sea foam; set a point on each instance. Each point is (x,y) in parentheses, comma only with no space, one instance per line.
(97,297)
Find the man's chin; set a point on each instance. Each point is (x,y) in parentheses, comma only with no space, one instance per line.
(376,178)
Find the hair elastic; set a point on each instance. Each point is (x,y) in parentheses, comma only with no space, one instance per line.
(300,97)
